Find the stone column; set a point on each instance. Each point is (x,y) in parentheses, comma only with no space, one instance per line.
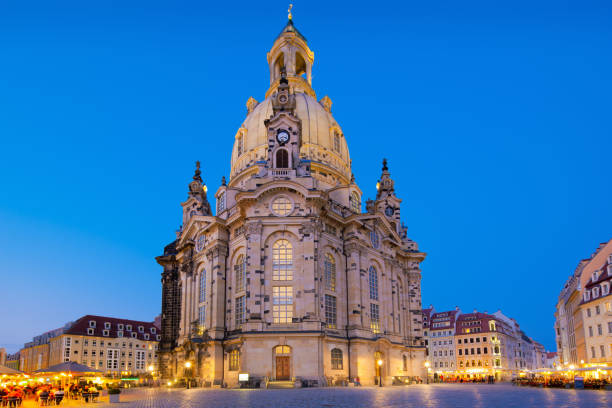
(353,294)
(217,256)
(255,276)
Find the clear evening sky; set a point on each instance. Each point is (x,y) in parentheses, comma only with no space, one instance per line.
(494,116)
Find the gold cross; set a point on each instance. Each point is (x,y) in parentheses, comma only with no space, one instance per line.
(290,7)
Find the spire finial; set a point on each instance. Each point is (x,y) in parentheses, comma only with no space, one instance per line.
(289,11)
(385,168)
(197,175)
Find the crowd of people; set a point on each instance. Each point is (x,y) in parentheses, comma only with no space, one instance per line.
(562,382)
(45,394)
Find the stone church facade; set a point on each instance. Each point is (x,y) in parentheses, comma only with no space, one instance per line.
(290,279)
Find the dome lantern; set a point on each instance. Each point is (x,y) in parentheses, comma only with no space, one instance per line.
(290,53)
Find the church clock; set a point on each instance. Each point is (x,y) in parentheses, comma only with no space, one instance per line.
(282,136)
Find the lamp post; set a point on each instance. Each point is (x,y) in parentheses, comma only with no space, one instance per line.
(427,367)
(188,366)
(380,363)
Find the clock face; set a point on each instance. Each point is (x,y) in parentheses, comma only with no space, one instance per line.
(282,136)
(389,211)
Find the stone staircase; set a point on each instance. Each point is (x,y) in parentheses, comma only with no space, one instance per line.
(280,384)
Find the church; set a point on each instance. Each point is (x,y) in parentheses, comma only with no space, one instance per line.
(290,280)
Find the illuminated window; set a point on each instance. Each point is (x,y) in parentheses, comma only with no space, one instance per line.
(336,359)
(373,283)
(355,202)
(240,310)
(282,260)
(330,311)
(202,317)
(202,297)
(279,350)
(281,206)
(234,360)
(240,273)
(374,318)
(282,304)
(330,273)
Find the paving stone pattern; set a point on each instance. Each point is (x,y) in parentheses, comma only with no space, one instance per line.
(434,395)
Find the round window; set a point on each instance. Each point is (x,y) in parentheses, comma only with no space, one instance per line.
(282,206)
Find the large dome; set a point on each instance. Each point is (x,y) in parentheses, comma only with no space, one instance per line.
(323,142)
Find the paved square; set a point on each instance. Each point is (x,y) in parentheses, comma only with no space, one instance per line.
(435,395)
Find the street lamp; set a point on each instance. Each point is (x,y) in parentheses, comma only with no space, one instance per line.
(380,363)
(188,366)
(427,366)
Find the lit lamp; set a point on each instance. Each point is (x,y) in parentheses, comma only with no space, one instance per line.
(380,363)
(188,366)
(427,366)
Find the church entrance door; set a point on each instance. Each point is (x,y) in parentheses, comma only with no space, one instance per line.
(282,368)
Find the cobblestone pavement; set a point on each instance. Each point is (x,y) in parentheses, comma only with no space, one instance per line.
(434,395)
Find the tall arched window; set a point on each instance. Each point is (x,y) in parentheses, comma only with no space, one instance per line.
(336,359)
(202,302)
(240,273)
(355,202)
(282,260)
(282,159)
(330,272)
(202,286)
(373,283)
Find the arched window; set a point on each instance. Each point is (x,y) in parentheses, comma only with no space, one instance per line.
(282,159)
(373,282)
(282,350)
(336,359)
(202,286)
(355,202)
(282,260)
(234,360)
(405,362)
(330,273)
(240,273)
(202,302)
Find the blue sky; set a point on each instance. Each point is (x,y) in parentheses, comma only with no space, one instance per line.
(494,116)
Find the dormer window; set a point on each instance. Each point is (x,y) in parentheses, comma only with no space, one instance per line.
(153,330)
(141,329)
(595,292)
(605,289)
(120,326)
(134,335)
(586,296)
(146,336)
(92,323)
(105,333)
(90,331)
(107,325)
(595,276)
(158,337)
(120,333)
(128,327)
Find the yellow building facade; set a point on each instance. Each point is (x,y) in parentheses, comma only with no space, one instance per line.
(291,280)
